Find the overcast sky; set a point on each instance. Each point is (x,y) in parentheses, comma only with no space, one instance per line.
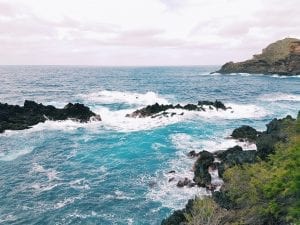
(141,32)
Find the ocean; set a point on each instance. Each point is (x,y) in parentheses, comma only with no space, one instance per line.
(115,171)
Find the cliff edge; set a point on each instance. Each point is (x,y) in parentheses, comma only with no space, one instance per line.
(281,57)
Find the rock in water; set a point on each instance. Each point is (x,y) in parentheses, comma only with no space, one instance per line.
(281,57)
(156,109)
(14,117)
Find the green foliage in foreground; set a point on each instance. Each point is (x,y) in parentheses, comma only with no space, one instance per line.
(264,193)
(268,192)
(205,212)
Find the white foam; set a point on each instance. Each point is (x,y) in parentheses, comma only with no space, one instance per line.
(167,192)
(14,154)
(43,187)
(285,76)
(81,184)
(132,98)
(274,97)
(217,144)
(51,174)
(65,202)
(118,121)
(237,111)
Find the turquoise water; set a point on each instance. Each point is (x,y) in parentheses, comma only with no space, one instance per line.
(115,171)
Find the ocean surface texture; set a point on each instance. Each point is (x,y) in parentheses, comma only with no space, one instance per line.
(116,171)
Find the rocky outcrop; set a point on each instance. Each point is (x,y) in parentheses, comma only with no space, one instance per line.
(265,141)
(245,132)
(202,166)
(14,117)
(160,110)
(281,57)
(206,162)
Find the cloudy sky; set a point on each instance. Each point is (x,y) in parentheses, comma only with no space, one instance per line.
(141,32)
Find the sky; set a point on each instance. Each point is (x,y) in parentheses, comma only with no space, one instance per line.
(141,32)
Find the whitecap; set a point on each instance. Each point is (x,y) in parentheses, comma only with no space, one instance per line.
(14,154)
(81,184)
(64,202)
(132,98)
(217,144)
(274,97)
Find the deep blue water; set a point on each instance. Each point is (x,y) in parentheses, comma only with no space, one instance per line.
(115,171)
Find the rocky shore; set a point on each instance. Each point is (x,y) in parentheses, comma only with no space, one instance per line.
(279,131)
(14,117)
(281,57)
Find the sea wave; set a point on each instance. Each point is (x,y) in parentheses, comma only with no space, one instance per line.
(274,97)
(132,98)
(285,76)
(14,154)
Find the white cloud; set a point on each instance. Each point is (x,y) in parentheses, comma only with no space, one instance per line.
(141,32)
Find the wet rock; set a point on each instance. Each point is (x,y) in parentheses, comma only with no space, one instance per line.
(171,171)
(201,173)
(193,154)
(236,155)
(171,179)
(184,182)
(276,132)
(245,132)
(14,117)
(160,110)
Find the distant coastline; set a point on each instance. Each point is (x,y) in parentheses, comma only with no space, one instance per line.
(281,57)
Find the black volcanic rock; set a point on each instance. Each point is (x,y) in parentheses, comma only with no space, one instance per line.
(245,132)
(154,110)
(201,173)
(14,117)
(281,57)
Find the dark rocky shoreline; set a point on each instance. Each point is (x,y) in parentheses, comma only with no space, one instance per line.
(14,117)
(265,142)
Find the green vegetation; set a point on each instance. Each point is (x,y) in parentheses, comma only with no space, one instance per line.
(263,193)
(205,212)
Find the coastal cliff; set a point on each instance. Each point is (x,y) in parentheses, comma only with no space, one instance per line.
(281,57)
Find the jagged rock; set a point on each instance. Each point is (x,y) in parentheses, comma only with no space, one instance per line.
(156,110)
(171,179)
(201,174)
(184,182)
(193,154)
(14,117)
(245,132)
(276,131)
(234,156)
(217,104)
(281,57)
